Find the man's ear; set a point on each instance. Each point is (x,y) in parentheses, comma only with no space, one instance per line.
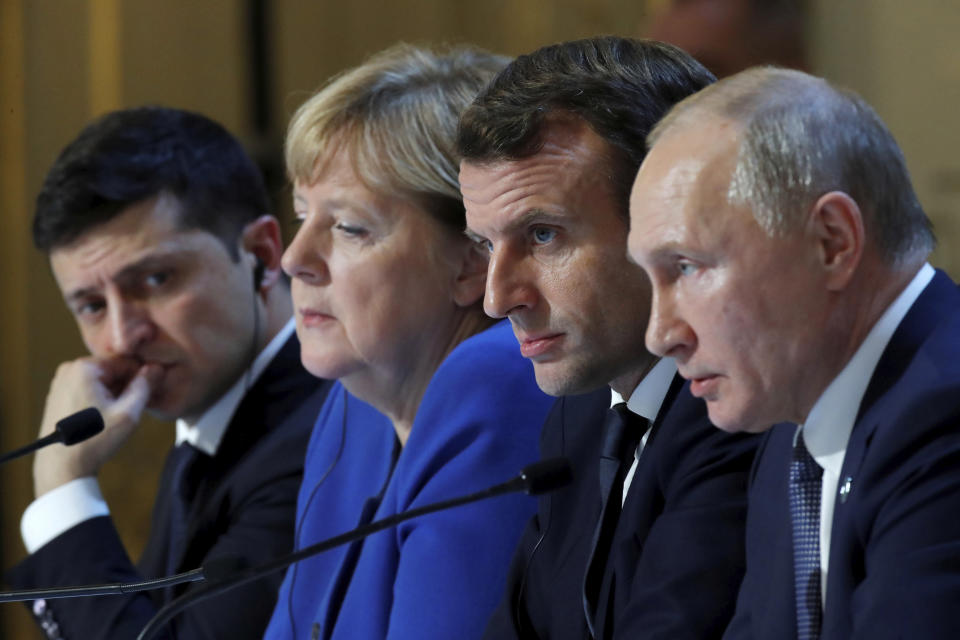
(471,279)
(261,239)
(837,225)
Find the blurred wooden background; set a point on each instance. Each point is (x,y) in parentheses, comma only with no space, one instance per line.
(249,63)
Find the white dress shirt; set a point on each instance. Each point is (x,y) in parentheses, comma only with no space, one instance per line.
(645,401)
(68,505)
(826,431)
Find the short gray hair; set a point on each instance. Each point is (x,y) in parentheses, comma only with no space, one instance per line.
(800,138)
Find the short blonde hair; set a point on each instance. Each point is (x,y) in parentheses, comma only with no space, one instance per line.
(397,116)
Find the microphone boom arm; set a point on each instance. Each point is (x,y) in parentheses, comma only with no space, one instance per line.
(536,478)
(195,575)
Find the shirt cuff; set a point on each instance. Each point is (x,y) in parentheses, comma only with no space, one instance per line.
(60,509)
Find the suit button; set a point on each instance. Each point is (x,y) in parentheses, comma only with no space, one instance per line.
(315,631)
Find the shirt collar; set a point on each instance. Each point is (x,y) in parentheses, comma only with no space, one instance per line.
(648,397)
(206,432)
(828,426)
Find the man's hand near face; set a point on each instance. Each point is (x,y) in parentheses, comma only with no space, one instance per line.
(119,388)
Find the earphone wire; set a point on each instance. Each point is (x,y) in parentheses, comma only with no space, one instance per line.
(306,509)
(248,376)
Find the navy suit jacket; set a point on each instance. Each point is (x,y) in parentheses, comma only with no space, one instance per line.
(894,563)
(678,546)
(244,505)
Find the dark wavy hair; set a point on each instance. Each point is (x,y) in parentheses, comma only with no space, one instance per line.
(131,155)
(621,87)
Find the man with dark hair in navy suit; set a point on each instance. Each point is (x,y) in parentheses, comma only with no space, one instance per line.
(157,228)
(648,539)
(788,263)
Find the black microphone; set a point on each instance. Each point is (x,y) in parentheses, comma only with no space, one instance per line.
(75,428)
(534,479)
(212,570)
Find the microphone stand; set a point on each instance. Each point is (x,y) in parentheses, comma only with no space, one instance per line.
(216,568)
(75,428)
(195,575)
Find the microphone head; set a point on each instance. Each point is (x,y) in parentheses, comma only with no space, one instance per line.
(546,475)
(79,426)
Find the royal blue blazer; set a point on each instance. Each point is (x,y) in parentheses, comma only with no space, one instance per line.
(438,576)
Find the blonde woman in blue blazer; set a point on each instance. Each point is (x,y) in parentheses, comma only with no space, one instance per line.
(434,400)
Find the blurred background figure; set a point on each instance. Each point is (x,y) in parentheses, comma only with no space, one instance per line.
(727,36)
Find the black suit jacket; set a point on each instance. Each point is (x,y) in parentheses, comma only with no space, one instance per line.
(894,569)
(678,548)
(245,504)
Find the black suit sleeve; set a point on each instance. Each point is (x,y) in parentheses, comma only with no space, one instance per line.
(542,595)
(259,528)
(90,552)
(247,511)
(898,537)
(510,619)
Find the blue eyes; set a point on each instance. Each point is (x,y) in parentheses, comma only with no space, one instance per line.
(543,235)
(538,236)
(157,279)
(686,268)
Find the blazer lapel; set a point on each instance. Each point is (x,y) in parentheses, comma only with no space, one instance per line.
(632,525)
(934,302)
(343,574)
(273,397)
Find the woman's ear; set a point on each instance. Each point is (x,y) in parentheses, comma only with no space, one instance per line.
(471,280)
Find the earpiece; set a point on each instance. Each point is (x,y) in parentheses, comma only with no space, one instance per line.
(258,270)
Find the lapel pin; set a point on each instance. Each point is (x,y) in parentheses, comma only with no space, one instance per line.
(845,488)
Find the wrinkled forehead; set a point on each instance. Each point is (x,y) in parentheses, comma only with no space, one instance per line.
(146,234)
(571,158)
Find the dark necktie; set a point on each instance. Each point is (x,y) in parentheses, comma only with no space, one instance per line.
(805,486)
(622,433)
(182,491)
